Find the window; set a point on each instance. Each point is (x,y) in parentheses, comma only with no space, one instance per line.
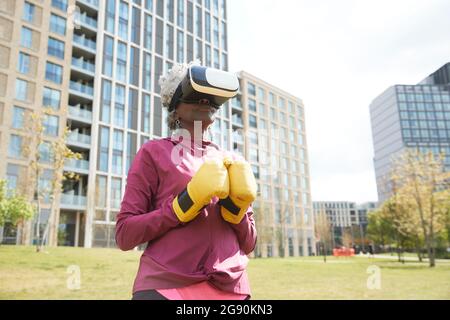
(180,46)
(121,62)
(21,90)
(252,121)
(252,105)
(136,25)
(131,149)
(45,152)
(145,125)
(23,63)
(208,55)
(57,24)
(169,44)
(119,110)
(148,31)
(224,36)
(199,50)
(100,191)
(272,99)
(253,154)
(60,4)
(208,27)
(159,36)
(180,17)
(105,111)
(253,137)
(102,164)
(26,37)
(28,11)
(251,89)
(15,146)
(261,94)
(190,17)
(216,59)
(224,62)
(123,20)
(132,109)
(134,66)
(110,15)
(216,32)
(51,125)
(147,76)
(117,152)
(55,48)
(108,56)
(116,185)
(51,98)
(53,72)
(18,117)
(198,21)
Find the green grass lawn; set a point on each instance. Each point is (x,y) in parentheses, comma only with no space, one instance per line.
(109,274)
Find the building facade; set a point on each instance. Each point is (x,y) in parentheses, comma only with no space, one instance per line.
(346,217)
(97,64)
(268,128)
(411,117)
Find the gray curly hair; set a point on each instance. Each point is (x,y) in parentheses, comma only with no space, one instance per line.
(169,83)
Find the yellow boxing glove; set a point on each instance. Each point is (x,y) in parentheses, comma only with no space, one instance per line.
(242,193)
(210,180)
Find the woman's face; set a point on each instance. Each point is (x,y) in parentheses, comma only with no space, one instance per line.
(188,113)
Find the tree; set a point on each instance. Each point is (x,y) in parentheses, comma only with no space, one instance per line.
(424,186)
(13,208)
(347,238)
(322,228)
(59,154)
(380,229)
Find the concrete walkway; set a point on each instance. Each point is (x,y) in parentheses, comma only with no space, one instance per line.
(395,257)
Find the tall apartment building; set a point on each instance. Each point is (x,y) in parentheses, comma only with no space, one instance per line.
(268,128)
(411,117)
(346,216)
(97,64)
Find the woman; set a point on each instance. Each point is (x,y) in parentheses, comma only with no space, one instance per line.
(191,203)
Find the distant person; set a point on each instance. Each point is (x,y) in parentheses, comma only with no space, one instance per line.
(188,200)
(371,255)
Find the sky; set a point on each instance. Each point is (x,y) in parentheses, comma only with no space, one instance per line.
(337,56)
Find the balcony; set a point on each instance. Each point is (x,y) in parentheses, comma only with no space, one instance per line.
(77,165)
(84,43)
(83,89)
(84,65)
(237,120)
(238,138)
(72,201)
(236,104)
(82,115)
(79,139)
(91,3)
(84,20)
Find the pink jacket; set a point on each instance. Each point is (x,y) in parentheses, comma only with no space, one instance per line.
(180,254)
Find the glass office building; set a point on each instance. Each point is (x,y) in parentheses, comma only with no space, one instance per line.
(411,116)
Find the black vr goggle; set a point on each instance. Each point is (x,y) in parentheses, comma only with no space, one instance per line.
(215,85)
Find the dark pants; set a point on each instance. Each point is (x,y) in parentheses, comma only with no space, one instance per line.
(152,295)
(148,295)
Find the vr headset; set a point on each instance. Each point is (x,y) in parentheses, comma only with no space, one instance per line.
(205,83)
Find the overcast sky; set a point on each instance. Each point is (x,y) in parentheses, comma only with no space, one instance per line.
(337,56)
